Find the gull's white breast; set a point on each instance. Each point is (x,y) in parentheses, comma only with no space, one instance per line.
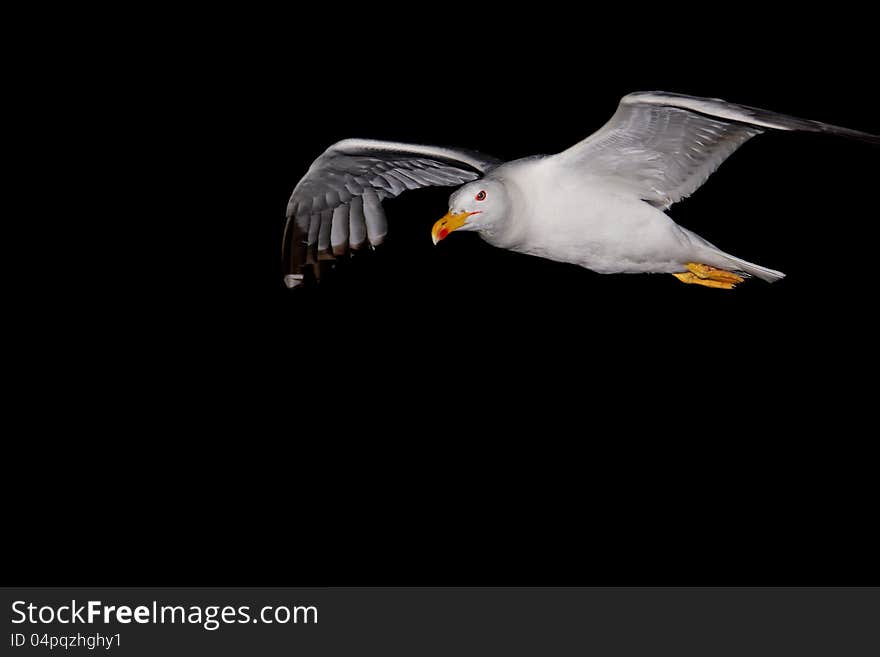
(565,215)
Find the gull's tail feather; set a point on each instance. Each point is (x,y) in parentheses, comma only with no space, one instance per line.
(750,268)
(707,253)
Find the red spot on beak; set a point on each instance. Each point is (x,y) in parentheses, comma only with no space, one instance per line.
(442,234)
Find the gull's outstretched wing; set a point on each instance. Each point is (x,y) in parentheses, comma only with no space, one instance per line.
(663,146)
(337,204)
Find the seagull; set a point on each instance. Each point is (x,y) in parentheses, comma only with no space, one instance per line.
(600,204)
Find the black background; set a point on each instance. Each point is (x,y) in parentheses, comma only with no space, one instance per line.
(452,414)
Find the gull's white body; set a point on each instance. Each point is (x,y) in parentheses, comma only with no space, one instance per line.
(560,214)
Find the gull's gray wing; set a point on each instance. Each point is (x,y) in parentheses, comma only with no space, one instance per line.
(663,146)
(337,204)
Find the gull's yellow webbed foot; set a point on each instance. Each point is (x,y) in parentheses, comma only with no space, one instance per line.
(700,274)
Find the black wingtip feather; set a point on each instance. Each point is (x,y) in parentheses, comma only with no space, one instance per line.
(762,117)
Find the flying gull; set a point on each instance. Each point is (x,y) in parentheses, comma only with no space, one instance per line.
(600,204)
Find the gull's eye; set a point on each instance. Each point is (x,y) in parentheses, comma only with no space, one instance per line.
(481,196)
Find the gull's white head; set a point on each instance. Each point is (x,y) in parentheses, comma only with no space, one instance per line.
(480,206)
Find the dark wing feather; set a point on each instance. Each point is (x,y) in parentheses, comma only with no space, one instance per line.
(338,203)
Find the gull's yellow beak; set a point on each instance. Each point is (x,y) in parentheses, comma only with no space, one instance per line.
(448,224)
